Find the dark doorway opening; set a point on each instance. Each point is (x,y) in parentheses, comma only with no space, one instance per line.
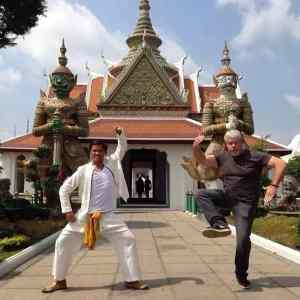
(146,175)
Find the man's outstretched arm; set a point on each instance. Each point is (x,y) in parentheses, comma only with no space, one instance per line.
(200,157)
(277,166)
(122,145)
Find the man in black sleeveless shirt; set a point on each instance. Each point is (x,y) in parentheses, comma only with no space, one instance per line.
(241,170)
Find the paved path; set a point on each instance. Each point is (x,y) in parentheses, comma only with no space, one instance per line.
(177,262)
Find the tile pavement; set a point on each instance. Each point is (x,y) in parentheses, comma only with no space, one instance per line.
(177,263)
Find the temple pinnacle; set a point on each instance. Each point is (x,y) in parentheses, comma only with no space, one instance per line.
(144,29)
(144,4)
(226,59)
(62,60)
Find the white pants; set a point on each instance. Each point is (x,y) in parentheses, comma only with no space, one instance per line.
(69,242)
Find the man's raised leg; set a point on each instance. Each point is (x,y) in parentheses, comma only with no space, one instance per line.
(211,202)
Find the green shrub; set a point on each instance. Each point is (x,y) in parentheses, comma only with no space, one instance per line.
(298,234)
(293,167)
(6,232)
(261,211)
(16,242)
(42,152)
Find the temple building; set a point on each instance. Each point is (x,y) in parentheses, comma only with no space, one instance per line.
(160,109)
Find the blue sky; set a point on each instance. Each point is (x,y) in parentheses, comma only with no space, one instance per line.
(263,35)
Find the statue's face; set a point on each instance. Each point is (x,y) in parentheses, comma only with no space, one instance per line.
(62,84)
(226,82)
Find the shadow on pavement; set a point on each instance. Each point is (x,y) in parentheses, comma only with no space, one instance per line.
(153,283)
(145,224)
(259,284)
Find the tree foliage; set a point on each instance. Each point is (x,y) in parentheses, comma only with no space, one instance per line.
(17,17)
(261,144)
(293,167)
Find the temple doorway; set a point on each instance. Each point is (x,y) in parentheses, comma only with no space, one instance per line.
(146,173)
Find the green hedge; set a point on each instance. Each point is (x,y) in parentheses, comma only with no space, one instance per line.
(298,235)
(16,242)
(6,232)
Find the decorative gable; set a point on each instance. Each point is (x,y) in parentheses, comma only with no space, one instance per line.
(143,85)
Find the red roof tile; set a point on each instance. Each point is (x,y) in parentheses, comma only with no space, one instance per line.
(96,89)
(208,93)
(189,85)
(145,129)
(155,130)
(78,90)
(26,142)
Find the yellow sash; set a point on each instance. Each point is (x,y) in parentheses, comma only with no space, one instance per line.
(92,229)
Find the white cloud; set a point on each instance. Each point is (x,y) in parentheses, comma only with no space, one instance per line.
(9,77)
(264,21)
(85,37)
(294,101)
(173,52)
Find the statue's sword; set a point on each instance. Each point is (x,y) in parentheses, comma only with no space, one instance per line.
(57,143)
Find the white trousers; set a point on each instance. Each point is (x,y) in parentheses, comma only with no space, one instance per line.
(69,242)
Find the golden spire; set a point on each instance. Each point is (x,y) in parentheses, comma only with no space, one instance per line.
(144,35)
(144,28)
(226,59)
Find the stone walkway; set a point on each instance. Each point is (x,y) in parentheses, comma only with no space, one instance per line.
(177,262)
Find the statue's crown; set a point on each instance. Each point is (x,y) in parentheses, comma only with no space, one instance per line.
(225,68)
(62,61)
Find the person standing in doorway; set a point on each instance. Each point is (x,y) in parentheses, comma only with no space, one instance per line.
(140,186)
(148,186)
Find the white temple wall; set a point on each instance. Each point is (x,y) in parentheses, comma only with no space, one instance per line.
(9,160)
(179,181)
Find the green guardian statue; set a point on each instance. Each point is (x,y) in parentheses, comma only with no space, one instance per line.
(222,114)
(61,119)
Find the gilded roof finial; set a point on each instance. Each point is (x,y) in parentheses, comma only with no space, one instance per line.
(144,28)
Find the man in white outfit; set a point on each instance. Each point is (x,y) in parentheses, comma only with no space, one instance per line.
(99,184)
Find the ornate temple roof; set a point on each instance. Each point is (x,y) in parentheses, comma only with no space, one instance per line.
(207,93)
(150,130)
(136,91)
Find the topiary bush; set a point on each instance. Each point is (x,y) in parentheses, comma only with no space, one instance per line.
(16,242)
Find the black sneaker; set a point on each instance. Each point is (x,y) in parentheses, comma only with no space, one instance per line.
(218,229)
(244,282)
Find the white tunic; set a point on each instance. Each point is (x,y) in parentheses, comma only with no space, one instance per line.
(102,190)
